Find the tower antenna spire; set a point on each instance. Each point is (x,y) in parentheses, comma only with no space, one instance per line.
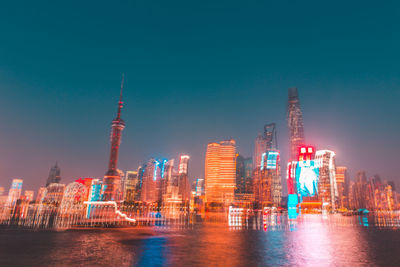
(120,98)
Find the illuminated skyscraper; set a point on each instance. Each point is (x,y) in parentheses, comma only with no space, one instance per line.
(151,186)
(112,177)
(244,173)
(267,172)
(240,176)
(199,187)
(264,142)
(131,186)
(267,180)
(260,146)
(342,181)
(54,175)
(220,172)
(248,174)
(359,191)
(53,194)
(184,188)
(327,186)
(295,123)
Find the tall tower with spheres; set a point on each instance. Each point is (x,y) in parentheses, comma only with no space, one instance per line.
(112,179)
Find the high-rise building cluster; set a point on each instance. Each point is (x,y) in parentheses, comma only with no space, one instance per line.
(372,193)
(314,182)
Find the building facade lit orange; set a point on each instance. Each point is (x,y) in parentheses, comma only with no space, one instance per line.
(342,182)
(220,172)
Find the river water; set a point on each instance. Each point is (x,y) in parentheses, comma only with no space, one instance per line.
(312,240)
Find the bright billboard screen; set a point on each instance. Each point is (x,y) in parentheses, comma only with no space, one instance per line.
(307,176)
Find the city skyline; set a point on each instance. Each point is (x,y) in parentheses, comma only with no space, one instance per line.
(60,109)
(212,133)
(193,177)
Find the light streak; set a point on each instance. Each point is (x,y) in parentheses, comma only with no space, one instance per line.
(123,215)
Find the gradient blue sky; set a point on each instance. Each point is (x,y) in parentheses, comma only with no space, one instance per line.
(195,72)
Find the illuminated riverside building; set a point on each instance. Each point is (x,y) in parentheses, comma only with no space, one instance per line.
(40,194)
(267,185)
(96,193)
(153,181)
(388,198)
(359,191)
(73,197)
(112,179)
(263,143)
(140,171)
(72,204)
(184,188)
(342,181)
(3,199)
(220,173)
(327,187)
(260,146)
(177,195)
(302,177)
(383,194)
(96,190)
(131,185)
(15,192)
(244,196)
(22,205)
(199,187)
(240,175)
(149,187)
(248,174)
(313,178)
(54,175)
(53,194)
(267,180)
(372,194)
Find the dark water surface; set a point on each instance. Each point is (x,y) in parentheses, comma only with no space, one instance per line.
(312,241)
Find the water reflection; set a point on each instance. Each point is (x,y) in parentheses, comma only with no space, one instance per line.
(258,239)
(153,252)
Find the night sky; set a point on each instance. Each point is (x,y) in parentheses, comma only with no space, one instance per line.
(195,72)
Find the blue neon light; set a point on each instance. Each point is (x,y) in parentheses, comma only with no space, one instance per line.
(156,163)
(272,159)
(141,173)
(292,206)
(163,168)
(262,161)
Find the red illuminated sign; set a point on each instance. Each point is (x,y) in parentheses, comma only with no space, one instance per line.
(306,153)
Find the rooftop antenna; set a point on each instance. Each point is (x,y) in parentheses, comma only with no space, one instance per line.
(120,98)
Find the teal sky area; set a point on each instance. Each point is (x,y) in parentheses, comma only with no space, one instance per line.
(195,72)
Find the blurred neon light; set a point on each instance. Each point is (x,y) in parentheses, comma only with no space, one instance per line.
(163,168)
(123,215)
(307,176)
(156,163)
(272,159)
(262,160)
